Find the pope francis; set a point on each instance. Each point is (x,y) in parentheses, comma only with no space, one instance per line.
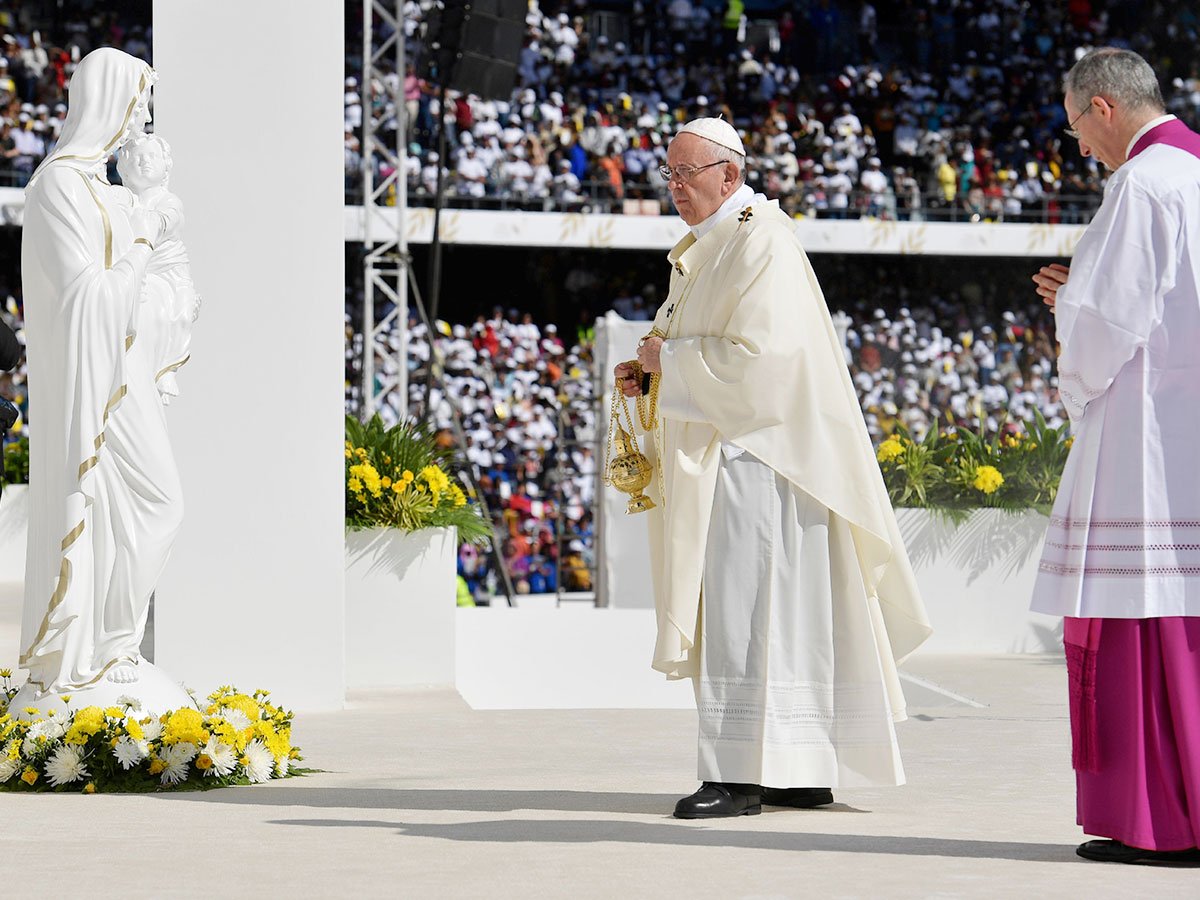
(781,583)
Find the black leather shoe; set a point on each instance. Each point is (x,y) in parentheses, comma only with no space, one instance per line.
(1115,851)
(719,800)
(797,798)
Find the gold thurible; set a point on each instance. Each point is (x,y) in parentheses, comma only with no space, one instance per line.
(628,469)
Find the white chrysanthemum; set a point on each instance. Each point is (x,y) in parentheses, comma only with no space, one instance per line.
(31,745)
(224,760)
(8,768)
(66,765)
(258,762)
(46,728)
(176,759)
(235,717)
(61,717)
(130,752)
(153,729)
(128,702)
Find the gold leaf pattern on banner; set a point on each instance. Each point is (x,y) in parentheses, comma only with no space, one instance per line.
(419,223)
(572,224)
(1039,237)
(914,240)
(883,231)
(449,226)
(1068,240)
(602,235)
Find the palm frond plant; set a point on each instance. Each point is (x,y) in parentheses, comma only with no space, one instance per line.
(959,470)
(911,469)
(398,478)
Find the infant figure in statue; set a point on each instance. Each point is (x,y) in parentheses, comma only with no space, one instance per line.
(169,298)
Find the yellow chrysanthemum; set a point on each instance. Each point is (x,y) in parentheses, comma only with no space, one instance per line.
(89,720)
(244,704)
(115,712)
(5,673)
(280,744)
(29,776)
(987,479)
(204,762)
(355,485)
(348,453)
(408,477)
(369,477)
(90,787)
(399,487)
(156,766)
(435,478)
(387,482)
(889,449)
(184,726)
(134,730)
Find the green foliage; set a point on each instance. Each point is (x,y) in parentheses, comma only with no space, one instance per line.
(16,462)
(961,470)
(397,478)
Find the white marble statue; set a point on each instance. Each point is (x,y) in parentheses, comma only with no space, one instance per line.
(105,500)
(170,298)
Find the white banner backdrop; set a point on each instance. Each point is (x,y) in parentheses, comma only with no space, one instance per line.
(629,232)
(254,593)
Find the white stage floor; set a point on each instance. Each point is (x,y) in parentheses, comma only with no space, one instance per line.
(424,797)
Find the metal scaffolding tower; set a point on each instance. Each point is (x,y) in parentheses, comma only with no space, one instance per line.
(384,366)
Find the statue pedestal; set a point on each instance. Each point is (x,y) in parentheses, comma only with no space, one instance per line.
(156,691)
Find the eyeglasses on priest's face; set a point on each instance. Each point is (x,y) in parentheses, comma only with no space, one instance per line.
(1070,131)
(684,173)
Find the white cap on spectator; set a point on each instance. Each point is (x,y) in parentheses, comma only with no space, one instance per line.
(716,130)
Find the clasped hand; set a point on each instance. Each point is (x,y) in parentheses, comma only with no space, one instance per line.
(1048,280)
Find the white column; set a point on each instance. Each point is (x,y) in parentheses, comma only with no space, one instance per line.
(250,100)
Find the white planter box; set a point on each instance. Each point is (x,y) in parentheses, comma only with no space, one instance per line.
(976,579)
(14,525)
(400,602)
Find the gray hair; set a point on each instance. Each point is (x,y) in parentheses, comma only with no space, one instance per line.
(717,153)
(1120,76)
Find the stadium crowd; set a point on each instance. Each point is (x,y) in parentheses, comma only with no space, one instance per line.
(529,405)
(38,53)
(956,101)
(909,110)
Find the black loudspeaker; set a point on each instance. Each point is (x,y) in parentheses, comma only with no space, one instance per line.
(473,46)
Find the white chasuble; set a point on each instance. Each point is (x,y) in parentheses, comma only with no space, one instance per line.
(752,365)
(1124,535)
